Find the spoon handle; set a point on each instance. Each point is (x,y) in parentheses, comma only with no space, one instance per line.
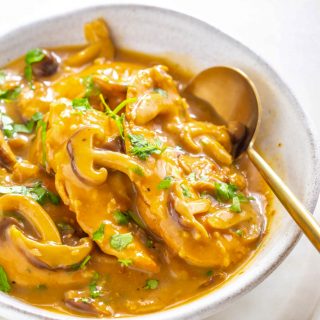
(298,212)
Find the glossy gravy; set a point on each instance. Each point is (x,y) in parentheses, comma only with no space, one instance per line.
(119,196)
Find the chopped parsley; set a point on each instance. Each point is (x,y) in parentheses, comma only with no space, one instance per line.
(84,300)
(142,148)
(10,94)
(124,217)
(225,191)
(235,207)
(95,291)
(151,284)
(228,192)
(98,235)
(65,227)
(90,86)
(84,262)
(120,241)
(113,113)
(42,286)
(32,56)
(125,262)
(209,273)
(185,191)
(38,192)
(4,282)
(10,128)
(121,217)
(165,183)
(138,170)
(81,104)
(239,232)
(149,243)
(42,125)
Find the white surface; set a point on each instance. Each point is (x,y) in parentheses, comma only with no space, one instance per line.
(286,34)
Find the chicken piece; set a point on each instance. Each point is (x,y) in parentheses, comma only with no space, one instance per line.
(35,99)
(83,188)
(111,79)
(157,95)
(172,214)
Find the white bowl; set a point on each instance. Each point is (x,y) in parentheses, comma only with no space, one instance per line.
(198,45)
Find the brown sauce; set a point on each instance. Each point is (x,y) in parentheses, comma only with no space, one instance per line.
(118,215)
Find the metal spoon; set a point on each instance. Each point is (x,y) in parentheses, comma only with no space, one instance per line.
(236,103)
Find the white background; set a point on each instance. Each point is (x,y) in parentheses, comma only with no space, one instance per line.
(286,33)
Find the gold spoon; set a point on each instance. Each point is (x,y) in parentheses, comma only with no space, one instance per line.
(236,103)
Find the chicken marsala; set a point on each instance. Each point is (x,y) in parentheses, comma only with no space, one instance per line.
(118,195)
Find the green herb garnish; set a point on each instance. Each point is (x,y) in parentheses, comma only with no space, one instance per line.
(98,235)
(37,192)
(228,192)
(95,292)
(4,282)
(209,273)
(125,262)
(239,232)
(85,300)
(151,284)
(84,262)
(10,128)
(32,56)
(42,286)
(121,241)
(10,94)
(121,217)
(142,148)
(63,226)
(185,191)
(113,113)
(165,183)
(225,191)
(235,207)
(81,104)
(91,88)
(42,125)
(149,243)
(138,170)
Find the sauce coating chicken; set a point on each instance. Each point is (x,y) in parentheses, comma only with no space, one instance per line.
(117,195)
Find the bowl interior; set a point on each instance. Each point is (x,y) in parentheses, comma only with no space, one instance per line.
(190,42)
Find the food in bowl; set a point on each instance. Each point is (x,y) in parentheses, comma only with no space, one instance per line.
(118,195)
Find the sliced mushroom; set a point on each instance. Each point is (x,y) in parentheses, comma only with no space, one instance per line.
(249,221)
(51,254)
(215,150)
(48,248)
(33,213)
(21,255)
(81,143)
(100,44)
(47,66)
(80,301)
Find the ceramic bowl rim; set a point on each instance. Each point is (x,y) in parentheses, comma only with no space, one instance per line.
(199,310)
